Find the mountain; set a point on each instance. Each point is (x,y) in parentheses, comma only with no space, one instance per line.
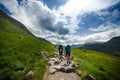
(112,46)
(76,45)
(20,50)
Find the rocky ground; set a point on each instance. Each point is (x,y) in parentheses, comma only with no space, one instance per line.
(59,69)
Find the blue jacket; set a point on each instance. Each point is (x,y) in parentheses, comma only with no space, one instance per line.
(68,49)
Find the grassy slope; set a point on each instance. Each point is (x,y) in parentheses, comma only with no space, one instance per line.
(19,48)
(100,65)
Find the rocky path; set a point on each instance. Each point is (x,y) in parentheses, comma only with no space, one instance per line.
(60,70)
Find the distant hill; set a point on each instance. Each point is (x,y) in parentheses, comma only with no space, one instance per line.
(112,46)
(76,45)
(20,50)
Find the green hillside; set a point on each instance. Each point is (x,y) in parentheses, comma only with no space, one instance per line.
(19,49)
(101,66)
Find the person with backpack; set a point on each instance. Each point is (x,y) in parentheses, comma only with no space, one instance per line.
(60,49)
(68,51)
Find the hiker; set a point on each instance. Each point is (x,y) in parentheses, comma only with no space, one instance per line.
(68,50)
(60,49)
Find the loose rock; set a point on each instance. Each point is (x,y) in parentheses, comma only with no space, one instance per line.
(52,70)
(90,77)
(30,75)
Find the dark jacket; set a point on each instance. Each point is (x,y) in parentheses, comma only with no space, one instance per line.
(60,49)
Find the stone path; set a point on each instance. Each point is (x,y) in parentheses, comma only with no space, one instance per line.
(60,70)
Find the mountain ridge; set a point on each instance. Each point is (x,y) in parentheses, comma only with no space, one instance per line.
(112,46)
(16,22)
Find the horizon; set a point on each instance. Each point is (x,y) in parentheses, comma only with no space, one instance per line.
(67,21)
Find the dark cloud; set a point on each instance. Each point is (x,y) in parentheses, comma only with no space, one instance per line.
(60,29)
(45,19)
(47,22)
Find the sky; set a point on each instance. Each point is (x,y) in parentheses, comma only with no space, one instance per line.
(67,21)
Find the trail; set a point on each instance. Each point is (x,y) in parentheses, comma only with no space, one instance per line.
(59,70)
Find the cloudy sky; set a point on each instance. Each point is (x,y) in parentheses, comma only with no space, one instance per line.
(67,21)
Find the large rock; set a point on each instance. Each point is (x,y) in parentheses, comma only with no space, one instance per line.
(67,69)
(57,67)
(53,59)
(50,63)
(30,75)
(56,62)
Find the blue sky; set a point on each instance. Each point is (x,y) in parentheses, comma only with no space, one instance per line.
(67,21)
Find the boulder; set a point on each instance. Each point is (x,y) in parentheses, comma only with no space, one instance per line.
(57,67)
(30,75)
(53,59)
(56,62)
(50,63)
(67,69)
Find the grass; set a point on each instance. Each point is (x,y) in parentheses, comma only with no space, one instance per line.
(18,48)
(101,66)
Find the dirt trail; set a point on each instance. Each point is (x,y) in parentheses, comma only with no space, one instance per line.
(60,70)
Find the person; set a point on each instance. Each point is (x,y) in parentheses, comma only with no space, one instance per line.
(68,51)
(60,49)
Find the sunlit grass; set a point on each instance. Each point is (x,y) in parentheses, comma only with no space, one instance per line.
(100,65)
(18,48)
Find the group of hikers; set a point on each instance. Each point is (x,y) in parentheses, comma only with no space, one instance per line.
(67,52)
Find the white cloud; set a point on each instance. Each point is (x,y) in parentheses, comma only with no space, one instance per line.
(76,39)
(103,36)
(75,7)
(49,24)
(108,26)
(103,13)
(10,5)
